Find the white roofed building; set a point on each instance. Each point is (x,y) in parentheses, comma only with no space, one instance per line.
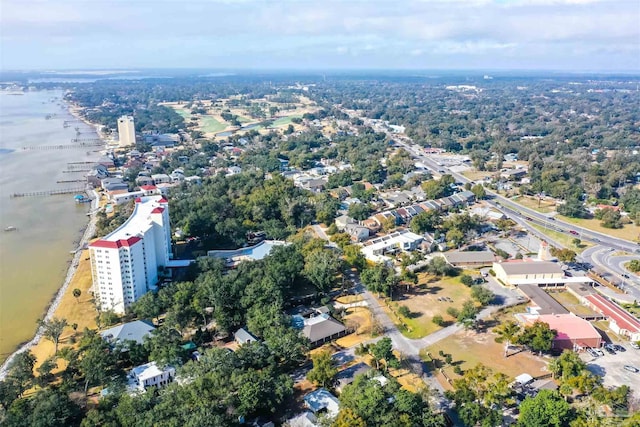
(150,375)
(125,263)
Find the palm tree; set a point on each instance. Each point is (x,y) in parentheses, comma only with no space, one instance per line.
(507,332)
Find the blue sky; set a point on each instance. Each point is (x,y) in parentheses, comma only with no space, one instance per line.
(601,35)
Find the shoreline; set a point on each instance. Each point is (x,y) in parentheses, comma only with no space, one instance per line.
(87,234)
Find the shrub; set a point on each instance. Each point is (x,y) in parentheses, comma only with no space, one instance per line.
(453,312)
(438,320)
(457,370)
(404,311)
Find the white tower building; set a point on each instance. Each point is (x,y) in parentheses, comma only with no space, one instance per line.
(126,131)
(126,262)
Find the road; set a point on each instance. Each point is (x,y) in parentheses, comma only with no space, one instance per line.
(526,218)
(612,263)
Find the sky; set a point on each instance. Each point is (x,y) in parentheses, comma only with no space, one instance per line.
(572,35)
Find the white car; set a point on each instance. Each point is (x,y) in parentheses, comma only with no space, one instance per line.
(635,345)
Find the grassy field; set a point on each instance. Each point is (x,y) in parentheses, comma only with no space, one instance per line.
(565,239)
(629,231)
(469,348)
(571,303)
(423,304)
(210,124)
(476,175)
(81,311)
(532,203)
(284,121)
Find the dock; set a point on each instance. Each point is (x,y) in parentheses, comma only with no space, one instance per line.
(49,192)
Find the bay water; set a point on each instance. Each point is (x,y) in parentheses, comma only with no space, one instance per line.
(35,257)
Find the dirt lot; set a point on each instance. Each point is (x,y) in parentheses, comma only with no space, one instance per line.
(432,296)
(81,311)
(468,348)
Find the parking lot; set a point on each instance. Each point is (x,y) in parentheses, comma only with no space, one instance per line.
(611,368)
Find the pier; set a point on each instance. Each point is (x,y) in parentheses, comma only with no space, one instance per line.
(87,141)
(49,192)
(63,146)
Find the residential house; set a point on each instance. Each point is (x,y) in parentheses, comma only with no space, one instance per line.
(322,401)
(357,232)
(110,184)
(150,375)
(161,178)
(242,336)
(134,331)
(343,220)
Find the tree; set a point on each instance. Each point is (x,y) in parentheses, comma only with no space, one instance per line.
(576,242)
(538,337)
(573,208)
(547,409)
(52,330)
(147,306)
(483,295)
(321,267)
(425,221)
(323,369)
(479,191)
(567,365)
(76,294)
(507,332)
(383,350)
(633,265)
(466,280)
(348,418)
(467,315)
(455,236)
(97,362)
(440,267)
(21,371)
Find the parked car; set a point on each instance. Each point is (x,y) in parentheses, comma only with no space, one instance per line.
(626,276)
(600,352)
(592,352)
(635,345)
(610,349)
(631,368)
(618,347)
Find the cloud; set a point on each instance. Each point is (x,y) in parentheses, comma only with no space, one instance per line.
(244,32)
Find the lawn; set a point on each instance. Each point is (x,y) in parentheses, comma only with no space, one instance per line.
(81,311)
(542,206)
(469,348)
(562,238)
(628,232)
(422,302)
(361,319)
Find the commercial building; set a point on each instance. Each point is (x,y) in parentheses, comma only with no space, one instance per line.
(469,258)
(125,264)
(514,273)
(620,320)
(573,332)
(126,131)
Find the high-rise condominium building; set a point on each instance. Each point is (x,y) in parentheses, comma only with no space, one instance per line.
(126,131)
(125,263)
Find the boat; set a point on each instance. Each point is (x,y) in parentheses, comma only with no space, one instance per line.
(79,198)
(10,228)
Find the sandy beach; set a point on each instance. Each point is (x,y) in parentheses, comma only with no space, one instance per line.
(65,291)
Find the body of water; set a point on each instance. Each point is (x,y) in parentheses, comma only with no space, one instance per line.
(34,258)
